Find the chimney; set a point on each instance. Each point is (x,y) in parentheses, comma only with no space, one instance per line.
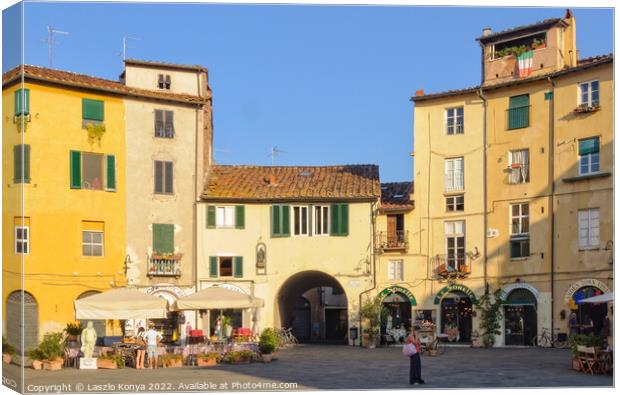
(419,92)
(486,32)
(569,14)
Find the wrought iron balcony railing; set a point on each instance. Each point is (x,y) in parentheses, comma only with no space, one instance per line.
(164,265)
(452,265)
(387,241)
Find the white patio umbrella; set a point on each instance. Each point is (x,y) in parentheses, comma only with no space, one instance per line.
(604,298)
(120,304)
(218,298)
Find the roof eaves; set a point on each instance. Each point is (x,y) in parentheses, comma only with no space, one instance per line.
(439,95)
(172,66)
(537,25)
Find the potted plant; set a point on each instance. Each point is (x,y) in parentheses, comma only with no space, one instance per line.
(73,329)
(52,351)
(172,360)
(590,340)
(8,351)
(371,311)
(238,357)
(209,359)
(538,44)
(490,306)
(267,344)
(372,334)
(36,358)
(112,361)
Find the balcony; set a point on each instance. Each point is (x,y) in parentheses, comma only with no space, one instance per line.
(164,265)
(392,241)
(452,266)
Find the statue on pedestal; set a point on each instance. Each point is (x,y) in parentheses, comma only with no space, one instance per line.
(89,338)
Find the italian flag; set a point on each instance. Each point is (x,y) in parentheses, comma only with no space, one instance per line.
(524,63)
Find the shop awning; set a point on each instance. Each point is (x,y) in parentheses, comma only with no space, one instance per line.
(120,304)
(604,298)
(218,298)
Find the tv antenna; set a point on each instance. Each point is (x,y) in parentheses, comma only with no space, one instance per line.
(275,152)
(126,45)
(51,42)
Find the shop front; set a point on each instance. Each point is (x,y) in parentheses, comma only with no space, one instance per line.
(520,317)
(590,316)
(456,311)
(397,319)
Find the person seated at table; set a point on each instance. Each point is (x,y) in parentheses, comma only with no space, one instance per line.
(140,348)
(152,339)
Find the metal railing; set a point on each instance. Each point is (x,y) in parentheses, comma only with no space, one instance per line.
(452,265)
(398,240)
(159,266)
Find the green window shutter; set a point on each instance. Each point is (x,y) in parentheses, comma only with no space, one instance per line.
(26,163)
(213,266)
(110,173)
(76,169)
(286,227)
(210,216)
(588,146)
(92,110)
(239,217)
(163,238)
(26,101)
(334,214)
(344,219)
(275,221)
(22,101)
(519,112)
(17,164)
(18,102)
(238,270)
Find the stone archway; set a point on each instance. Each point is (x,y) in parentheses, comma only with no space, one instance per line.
(328,307)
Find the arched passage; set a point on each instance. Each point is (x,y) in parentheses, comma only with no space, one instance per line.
(327,303)
(16,326)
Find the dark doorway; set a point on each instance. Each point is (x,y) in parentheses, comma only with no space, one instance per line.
(520,317)
(456,313)
(314,305)
(590,316)
(396,321)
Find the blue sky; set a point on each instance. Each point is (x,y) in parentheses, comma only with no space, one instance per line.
(326,84)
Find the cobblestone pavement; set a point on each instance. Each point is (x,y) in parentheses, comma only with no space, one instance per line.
(335,367)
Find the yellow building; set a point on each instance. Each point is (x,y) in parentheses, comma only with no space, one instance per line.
(301,238)
(539,138)
(63,197)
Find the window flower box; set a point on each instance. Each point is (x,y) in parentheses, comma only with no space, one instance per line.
(584,108)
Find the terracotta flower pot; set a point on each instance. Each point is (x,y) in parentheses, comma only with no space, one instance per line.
(37,365)
(575,363)
(6,358)
(206,361)
(52,365)
(106,364)
(173,363)
(266,358)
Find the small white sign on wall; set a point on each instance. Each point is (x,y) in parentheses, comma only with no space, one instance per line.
(491,233)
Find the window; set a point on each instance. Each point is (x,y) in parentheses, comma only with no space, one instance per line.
(225,217)
(92,243)
(339,219)
(519,112)
(87,171)
(164,124)
(589,228)
(21,164)
(395,270)
(280,225)
(519,230)
(22,102)
(163,238)
(321,220)
(454,121)
(163,177)
(92,112)
(589,157)
(226,266)
(395,231)
(455,203)
(588,94)
(519,166)
(454,174)
(300,220)
(163,81)
(22,240)
(455,243)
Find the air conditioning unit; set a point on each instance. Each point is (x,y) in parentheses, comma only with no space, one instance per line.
(492,233)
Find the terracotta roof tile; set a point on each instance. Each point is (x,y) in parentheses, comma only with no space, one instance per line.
(174,66)
(88,82)
(396,196)
(290,183)
(541,24)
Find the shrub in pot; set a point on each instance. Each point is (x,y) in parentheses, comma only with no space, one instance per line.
(8,351)
(51,351)
(209,359)
(590,340)
(267,344)
(238,357)
(112,361)
(73,329)
(172,360)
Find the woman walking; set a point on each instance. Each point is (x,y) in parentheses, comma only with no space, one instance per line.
(415,363)
(141,348)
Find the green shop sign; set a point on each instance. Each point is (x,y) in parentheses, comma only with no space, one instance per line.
(455,287)
(396,289)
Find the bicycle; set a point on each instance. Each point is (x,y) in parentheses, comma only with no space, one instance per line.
(545,339)
(286,337)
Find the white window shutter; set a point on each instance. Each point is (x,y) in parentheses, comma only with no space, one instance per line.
(220,216)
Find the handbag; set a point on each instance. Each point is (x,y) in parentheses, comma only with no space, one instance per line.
(409,350)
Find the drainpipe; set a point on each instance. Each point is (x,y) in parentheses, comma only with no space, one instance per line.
(484,186)
(552,204)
